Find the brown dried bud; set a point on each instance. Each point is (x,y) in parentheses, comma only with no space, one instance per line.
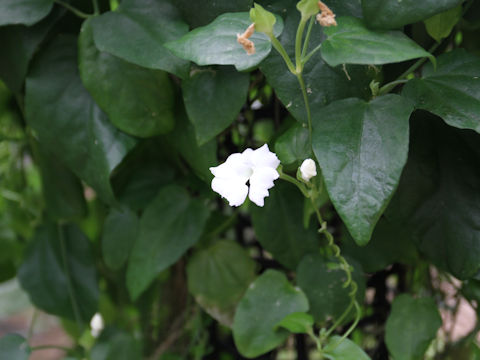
(242,39)
(326,16)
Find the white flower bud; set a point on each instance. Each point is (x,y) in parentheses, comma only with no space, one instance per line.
(96,325)
(308,169)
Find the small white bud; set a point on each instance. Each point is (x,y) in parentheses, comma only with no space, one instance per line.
(96,325)
(308,169)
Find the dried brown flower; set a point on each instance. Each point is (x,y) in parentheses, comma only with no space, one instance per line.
(326,16)
(242,39)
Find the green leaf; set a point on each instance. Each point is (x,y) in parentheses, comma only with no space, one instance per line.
(137,31)
(297,323)
(263,19)
(216,43)
(14,347)
(61,189)
(59,274)
(441,25)
(119,346)
(199,157)
(390,243)
(288,241)
(213,98)
(392,14)
(322,281)
(144,171)
(170,225)
(268,300)
(438,197)
(362,148)
(202,12)
(119,234)
(346,350)
(351,42)
(324,84)
(68,122)
(411,326)
(452,91)
(26,12)
(19,43)
(293,145)
(138,101)
(218,277)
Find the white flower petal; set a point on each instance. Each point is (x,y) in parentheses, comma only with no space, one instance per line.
(260,181)
(263,157)
(232,189)
(235,166)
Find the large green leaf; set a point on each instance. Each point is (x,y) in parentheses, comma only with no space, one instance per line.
(136,32)
(199,157)
(346,350)
(119,234)
(217,44)
(324,84)
(62,190)
(390,243)
(58,273)
(19,43)
(439,195)
(267,301)
(218,277)
(441,25)
(293,145)
(14,347)
(202,12)
(169,226)
(288,241)
(411,326)
(362,148)
(323,282)
(68,122)
(452,91)
(351,42)
(392,14)
(25,12)
(213,98)
(138,101)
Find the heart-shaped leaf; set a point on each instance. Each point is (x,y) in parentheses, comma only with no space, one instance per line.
(216,43)
(362,148)
(351,42)
(452,91)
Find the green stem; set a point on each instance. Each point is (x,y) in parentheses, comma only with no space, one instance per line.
(74,10)
(307,37)
(401,78)
(298,45)
(96,9)
(385,89)
(32,324)
(71,293)
(311,53)
(307,107)
(295,182)
(47,347)
(281,50)
(350,329)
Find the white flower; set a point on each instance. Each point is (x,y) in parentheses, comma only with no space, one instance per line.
(257,166)
(308,169)
(96,324)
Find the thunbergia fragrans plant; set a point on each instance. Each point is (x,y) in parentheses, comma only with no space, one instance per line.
(270,179)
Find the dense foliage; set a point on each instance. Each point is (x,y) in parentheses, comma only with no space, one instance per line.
(118,118)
